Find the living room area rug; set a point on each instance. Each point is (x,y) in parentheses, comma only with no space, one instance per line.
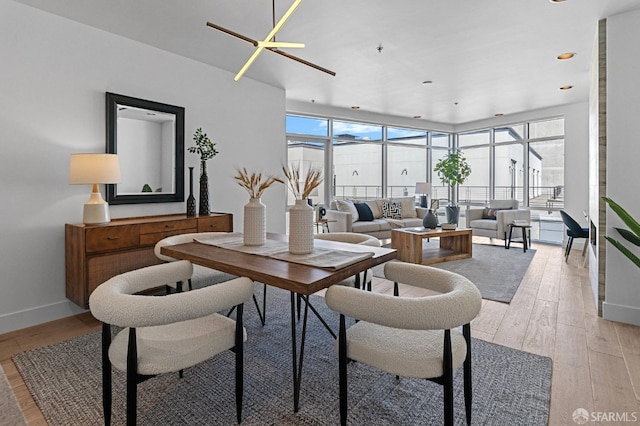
(496,272)
(510,387)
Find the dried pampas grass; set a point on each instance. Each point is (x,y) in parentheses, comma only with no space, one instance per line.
(255,183)
(299,187)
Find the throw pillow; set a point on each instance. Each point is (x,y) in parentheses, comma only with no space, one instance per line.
(347,206)
(489,213)
(391,210)
(408,206)
(364,212)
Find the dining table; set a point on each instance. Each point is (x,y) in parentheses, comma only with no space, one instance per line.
(295,273)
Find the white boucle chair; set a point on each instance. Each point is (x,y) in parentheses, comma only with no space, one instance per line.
(202,275)
(163,334)
(410,336)
(363,278)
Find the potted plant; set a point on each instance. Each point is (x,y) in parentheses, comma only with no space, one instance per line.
(206,148)
(301,213)
(453,170)
(633,235)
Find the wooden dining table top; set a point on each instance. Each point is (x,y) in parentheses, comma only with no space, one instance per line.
(296,277)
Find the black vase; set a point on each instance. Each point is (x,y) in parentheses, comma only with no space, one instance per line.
(191,201)
(204,190)
(430,220)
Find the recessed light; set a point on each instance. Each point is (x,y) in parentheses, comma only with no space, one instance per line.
(355,107)
(417,116)
(567,87)
(567,55)
(499,114)
(557,1)
(427,82)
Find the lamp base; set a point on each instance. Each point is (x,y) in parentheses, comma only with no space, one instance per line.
(96,210)
(423,201)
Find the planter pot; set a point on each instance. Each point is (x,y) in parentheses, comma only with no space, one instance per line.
(255,223)
(301,228)
(453,213)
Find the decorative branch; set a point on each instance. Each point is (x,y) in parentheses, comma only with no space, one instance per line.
(301,188)
(255,183)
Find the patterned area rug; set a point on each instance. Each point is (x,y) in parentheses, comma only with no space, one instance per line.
(510,387)
(495,271)
(10,413)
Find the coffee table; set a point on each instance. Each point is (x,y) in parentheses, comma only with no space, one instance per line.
(454,244)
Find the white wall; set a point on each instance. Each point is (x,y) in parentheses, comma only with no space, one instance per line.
(54,76)
(622,293)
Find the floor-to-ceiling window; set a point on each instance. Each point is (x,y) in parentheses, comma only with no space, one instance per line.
(522,161)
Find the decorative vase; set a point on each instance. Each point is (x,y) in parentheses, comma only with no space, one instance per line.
(204,189)
(255,223)
(453,212)
(430,220)
(301,228)
(191,201)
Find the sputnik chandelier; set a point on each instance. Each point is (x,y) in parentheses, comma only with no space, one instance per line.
(270,43)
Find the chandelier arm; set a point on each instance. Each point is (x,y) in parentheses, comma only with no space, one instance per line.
(232,33)
(302,61)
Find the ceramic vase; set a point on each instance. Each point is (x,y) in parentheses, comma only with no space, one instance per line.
(255,223)
(301,228)
(204,190)
(430,220)
(191,201)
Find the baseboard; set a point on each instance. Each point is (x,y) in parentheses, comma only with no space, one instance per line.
(621,313)
(38,315)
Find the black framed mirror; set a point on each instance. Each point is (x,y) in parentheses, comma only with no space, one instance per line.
(149,140)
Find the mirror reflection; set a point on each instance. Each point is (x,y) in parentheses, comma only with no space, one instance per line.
(149,140)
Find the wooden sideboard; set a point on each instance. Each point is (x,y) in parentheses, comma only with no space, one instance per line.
(95,253)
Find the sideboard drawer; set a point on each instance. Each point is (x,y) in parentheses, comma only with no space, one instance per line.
(168,226)
(152,239)
(112,238)
(219,223)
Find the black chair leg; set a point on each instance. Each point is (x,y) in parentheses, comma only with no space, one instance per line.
(239,349)
(132,379)
(342,368)
(569,244)
(448,379)
(106,373)
(468,393)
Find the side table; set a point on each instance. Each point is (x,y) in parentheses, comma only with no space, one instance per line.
(526,229)
(323,224)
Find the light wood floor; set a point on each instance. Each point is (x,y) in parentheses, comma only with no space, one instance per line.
(596,363)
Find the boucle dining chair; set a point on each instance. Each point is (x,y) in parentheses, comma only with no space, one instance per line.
(202,275)
(165,334)
(409,336)
(363,279)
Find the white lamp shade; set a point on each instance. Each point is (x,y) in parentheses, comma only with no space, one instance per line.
(94,168)
(423,188)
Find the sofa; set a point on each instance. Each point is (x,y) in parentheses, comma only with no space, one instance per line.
(492,221)
(374,217)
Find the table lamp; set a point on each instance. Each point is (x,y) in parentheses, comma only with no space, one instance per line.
(423,188)
(94,169)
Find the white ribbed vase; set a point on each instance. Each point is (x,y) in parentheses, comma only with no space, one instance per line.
(301,228)
(255,223)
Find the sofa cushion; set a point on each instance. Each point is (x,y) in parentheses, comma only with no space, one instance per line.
(408,206)
(489,224)
(347,206)
(490,213)
(376,209)
(364,212)
(365,227)
(392,210)
(410,223)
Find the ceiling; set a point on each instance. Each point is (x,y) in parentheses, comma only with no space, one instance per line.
(483,57)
